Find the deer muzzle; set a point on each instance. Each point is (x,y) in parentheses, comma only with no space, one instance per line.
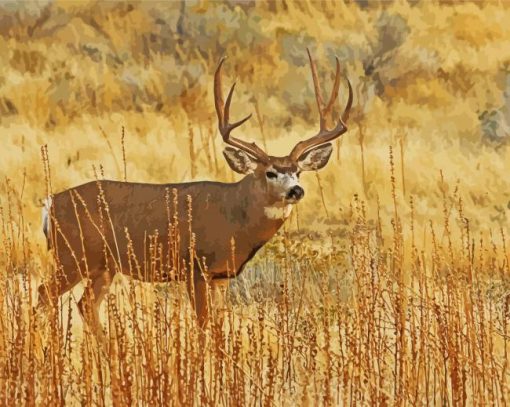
(295,193)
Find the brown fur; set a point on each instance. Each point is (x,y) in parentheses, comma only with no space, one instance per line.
(89,240)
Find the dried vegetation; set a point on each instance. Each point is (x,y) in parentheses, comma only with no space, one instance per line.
(389,285)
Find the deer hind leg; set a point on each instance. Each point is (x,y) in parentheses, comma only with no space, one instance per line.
(46,309)
(65,277)
(90,303)
(48,293)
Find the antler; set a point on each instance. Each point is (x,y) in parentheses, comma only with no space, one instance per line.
(223,112)
(324,135)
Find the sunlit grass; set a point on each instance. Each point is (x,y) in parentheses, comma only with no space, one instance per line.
(388,284)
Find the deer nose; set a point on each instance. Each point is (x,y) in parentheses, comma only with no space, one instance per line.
(296,192)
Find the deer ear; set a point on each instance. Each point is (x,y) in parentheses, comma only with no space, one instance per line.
(239,161)
(315,158)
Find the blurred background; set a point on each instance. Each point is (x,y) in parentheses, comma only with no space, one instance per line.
(431,81)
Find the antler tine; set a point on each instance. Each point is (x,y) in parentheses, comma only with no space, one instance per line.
(226,111)
(218,94)
(223,113)
(345,114)
(316,84)
(336,89)
(324,135)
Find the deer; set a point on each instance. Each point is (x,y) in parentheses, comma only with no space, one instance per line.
(203,233)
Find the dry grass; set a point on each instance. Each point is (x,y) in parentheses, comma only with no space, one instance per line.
(388,285)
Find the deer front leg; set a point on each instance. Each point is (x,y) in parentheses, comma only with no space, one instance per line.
(197,292)
(207,298)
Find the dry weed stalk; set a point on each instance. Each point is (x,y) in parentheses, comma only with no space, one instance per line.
(261,122)
(192,152)
(123,145)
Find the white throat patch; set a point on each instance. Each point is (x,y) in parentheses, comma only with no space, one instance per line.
(278,211)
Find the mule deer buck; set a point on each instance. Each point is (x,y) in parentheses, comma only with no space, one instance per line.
(145,231)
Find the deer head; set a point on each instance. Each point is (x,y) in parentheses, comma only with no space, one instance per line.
(280,175)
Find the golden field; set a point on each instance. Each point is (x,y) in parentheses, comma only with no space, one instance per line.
(389,285)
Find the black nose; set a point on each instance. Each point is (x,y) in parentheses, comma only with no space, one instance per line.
(296,193)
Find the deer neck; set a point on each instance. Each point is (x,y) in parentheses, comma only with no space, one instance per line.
(264,217)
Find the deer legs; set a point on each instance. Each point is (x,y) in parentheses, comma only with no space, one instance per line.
(207,298)
(91,301)
(197,292)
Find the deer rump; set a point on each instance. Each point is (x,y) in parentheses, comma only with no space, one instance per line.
(151,232)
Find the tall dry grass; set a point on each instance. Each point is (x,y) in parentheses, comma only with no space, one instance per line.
(389,283)
(390,313)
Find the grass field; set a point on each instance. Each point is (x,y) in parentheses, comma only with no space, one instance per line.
(389,285)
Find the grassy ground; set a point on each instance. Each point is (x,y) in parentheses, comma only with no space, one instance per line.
(388,285)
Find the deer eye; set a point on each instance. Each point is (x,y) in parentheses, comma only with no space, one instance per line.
(271,175)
